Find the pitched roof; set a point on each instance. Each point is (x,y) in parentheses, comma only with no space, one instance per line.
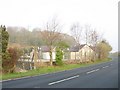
(76,48)
(94,49)
(72,49)
(45,49)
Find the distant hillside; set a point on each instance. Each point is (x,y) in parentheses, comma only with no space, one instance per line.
(69,39)
(24,37)
(115,54)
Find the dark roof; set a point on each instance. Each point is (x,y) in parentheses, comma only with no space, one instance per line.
(76,48)
(72,49)
(94,49)
(45,49)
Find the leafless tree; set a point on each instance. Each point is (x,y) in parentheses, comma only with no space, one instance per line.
(76,32)
(95,37)
(87,33)
(51,34)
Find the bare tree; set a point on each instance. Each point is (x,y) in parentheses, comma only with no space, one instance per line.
(94,39)
(87,33)
(51,35)
(76,32)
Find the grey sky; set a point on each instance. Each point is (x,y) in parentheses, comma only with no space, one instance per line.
(100,14)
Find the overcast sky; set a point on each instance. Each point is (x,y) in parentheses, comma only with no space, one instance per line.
(100,14)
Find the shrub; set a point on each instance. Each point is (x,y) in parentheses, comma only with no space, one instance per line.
(104,49)
(59,57)
(9,59)
(72,62)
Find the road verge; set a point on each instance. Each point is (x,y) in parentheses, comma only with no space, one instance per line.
(48,70)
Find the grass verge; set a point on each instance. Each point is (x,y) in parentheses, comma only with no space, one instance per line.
(49,70)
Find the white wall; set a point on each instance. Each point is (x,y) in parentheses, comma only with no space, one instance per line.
(47,56)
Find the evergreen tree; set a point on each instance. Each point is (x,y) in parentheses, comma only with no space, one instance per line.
(3,45)
(59,57)
(5,37)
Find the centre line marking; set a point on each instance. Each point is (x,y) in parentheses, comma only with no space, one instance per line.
(63,80)
(105,66)
(93,71)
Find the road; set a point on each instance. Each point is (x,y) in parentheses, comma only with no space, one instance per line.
(103,75)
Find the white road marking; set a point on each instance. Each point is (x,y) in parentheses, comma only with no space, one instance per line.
(93,71)
(105,66)
(63,80)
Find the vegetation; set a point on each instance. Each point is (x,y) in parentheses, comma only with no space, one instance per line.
(62,45)
(51,36)
(50,69)
(10,59)
(5,37)
(60,49)
(24,38)
(59,57)
(115,54)
(76,32)
(104,49)
(0,49)
(10,55)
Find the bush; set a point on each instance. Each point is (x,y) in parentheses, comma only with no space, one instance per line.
(59,57)
(9,59)
(104,49)
(72,62)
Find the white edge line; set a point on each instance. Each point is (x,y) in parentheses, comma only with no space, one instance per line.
(105,66)
(63,80)
(93,71)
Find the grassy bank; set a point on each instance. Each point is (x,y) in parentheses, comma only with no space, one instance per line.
(50,69)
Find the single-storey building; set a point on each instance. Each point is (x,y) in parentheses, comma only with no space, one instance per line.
(80,52)
(83,52)
(45,52)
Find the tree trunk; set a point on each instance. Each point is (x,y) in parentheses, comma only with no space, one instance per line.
(95,56)
(99,56)
(35,58)
(40,58)
(51,63)
(31,66)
